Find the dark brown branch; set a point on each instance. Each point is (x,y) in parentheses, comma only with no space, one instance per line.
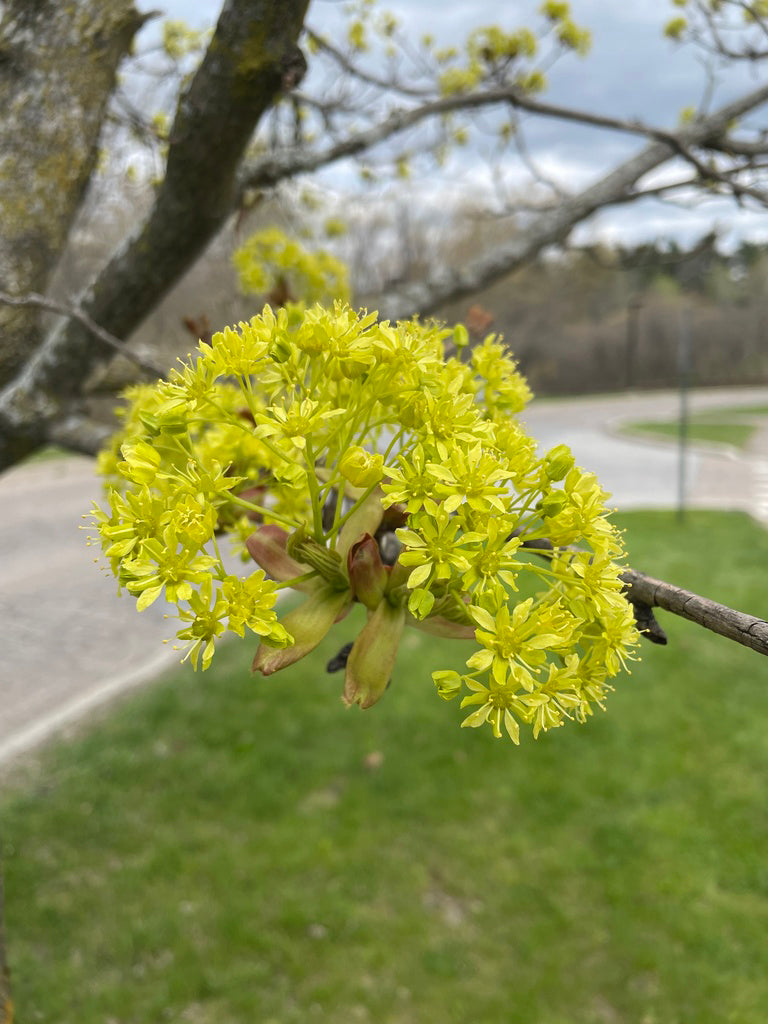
(75,313)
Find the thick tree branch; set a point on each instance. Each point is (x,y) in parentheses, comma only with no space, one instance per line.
(58,64)
(252,56)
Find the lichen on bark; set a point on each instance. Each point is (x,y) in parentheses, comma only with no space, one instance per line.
(58,67)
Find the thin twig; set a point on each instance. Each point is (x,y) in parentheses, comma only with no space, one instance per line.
(745,629)
(75,313)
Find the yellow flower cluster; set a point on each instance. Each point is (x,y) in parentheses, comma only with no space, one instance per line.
(270,261)
(359,460)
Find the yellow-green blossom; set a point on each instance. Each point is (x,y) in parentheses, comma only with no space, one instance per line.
(357,460)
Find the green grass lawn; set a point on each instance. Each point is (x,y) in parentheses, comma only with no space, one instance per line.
(735,434)
(47,453)
(224,849)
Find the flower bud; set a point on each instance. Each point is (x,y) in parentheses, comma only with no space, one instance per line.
(367,575)
(460,336)
(268,548)
(281,351)
(360,467)
(448,683)
(552,504)
(366,518)
(558,462)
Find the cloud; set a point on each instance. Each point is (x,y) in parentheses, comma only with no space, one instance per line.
(633,71)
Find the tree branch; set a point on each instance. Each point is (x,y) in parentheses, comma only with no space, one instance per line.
(351,68)
(554,226)
(744,629)
(645,593)
(252,56)
(57,71)
(75,313)
(270,170)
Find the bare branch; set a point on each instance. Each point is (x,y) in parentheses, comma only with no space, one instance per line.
(268,171)
(737,147)
(347,65)
(553,226)
(744,629)
(645,593)
(75,313)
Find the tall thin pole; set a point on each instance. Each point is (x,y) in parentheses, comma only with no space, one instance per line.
(684,353)
(631,340)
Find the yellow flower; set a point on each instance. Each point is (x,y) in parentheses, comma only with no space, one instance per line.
(355,461)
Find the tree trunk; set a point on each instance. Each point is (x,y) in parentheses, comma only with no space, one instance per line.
(58,63)
(252,56)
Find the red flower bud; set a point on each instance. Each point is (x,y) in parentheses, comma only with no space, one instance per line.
(367,574)
(267,547)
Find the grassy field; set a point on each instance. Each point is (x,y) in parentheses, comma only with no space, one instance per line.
(733,426)
(48,452)
(222,849)
(699,429)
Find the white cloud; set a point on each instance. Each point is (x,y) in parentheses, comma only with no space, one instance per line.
(632,71)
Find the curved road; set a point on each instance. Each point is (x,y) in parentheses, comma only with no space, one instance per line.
(69,643)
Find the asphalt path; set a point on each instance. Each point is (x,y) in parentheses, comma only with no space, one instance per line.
(69,643)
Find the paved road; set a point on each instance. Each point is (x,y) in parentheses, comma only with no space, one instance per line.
(69,643)
(645,474)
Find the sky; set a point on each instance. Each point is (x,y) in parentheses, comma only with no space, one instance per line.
(631,71)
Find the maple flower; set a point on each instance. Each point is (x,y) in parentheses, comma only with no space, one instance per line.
(357,461)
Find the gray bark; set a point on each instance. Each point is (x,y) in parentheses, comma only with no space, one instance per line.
(554,226)
(252,55)
(58,63)
(747,630)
